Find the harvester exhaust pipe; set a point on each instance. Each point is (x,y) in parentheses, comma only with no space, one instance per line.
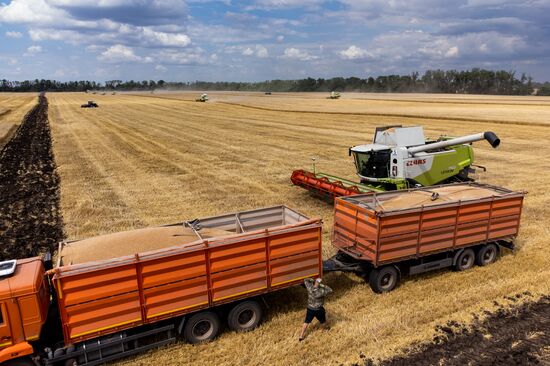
(491,137)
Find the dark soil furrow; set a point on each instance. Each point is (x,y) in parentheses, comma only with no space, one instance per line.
(30,218)
(518,335)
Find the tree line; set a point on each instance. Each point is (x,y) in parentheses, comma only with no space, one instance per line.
(474,81)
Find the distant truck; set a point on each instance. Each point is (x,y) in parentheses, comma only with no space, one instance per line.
(90,104)
(124,293)
(383,236)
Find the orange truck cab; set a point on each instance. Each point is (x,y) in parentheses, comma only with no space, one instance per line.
(24,303)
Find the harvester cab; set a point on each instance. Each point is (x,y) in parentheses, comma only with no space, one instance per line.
(400,158)
(334,95)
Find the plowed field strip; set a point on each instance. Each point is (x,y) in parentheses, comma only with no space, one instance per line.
(30,220)
(510,336)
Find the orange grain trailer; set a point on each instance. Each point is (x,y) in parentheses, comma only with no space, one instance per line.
(110,300)
(384,235)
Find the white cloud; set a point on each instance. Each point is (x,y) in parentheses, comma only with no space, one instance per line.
(354,53)
(296,54)
(262,52)
(14,34)
(280,39)
(29,11)
(119,53)
(160,68)
(33,50)
(165,39)
(258,51)
(193,56)
(285,4)
(452,52)
(248,51)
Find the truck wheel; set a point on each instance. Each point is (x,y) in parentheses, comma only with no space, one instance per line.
(487,254)
(245,316)
(384,279)
(202,327)
(465,260)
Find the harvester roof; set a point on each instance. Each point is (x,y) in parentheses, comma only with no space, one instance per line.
(370,147)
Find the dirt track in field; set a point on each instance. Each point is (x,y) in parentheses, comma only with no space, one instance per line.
(30,219)
(517,335)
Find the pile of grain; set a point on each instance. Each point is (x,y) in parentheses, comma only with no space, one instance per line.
(421,198)
(131,242)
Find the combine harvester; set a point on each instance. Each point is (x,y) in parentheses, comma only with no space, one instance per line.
(90,104)
(203,98)
(400,158)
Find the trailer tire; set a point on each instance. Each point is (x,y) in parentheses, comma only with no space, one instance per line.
(384,279)
(245,316)
(465,260)
(201,327)
(487,254)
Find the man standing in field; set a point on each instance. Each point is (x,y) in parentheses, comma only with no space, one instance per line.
(316,293)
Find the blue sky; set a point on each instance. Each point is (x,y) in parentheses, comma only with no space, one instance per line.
(257,40)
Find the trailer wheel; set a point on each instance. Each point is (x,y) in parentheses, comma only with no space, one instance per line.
(202,327)
(245,316)
(465,260)
(487,254)
(384,279)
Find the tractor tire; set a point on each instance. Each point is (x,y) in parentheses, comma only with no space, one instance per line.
(245,316)
(487,254)
(385,279)
(465,260)
(201,327)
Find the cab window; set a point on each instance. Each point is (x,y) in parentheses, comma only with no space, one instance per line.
(1,315)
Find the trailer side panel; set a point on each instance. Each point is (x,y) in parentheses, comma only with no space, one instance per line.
(366,232)
(105,297)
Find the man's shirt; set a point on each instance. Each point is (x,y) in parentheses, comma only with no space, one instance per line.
(316,296)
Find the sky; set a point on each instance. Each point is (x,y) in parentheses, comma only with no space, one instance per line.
(255,40)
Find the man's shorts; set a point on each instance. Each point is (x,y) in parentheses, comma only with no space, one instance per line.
(319,314)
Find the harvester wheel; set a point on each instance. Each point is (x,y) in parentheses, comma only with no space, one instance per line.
(202,327)
(487,254)
(384,279)
(245,316)
(465,260)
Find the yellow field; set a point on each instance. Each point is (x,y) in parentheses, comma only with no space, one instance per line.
(149,159)
(13,107)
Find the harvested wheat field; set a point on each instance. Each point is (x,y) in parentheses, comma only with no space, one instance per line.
(13,106)
(141,160)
